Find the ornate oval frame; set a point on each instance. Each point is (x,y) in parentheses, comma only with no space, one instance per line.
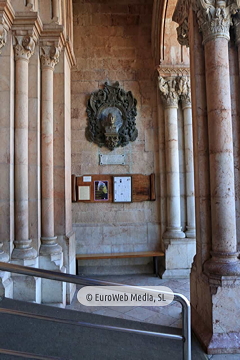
(116,102)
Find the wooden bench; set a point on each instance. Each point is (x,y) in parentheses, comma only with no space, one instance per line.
(154,254)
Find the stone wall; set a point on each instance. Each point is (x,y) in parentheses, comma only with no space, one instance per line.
(113,43)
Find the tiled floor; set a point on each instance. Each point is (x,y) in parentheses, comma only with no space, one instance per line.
(167,315)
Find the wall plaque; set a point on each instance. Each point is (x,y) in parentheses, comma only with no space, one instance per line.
(111,117)
(84,193)
(112,159)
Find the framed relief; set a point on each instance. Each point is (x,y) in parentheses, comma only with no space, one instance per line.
(111,117)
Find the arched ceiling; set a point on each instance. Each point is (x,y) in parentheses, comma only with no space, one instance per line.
(165,47)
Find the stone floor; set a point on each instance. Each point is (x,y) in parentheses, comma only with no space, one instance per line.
(167,315)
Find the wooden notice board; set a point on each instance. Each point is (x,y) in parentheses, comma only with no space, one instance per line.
(99,188)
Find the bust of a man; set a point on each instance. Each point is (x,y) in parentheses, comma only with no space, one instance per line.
(111,123)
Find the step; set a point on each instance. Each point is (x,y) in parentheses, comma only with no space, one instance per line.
(82,343)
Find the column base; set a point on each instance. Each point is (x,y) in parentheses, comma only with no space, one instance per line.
(3,256)
(26,288)
(215,313)
(6,285)
(53,292)
(24,253)
(179,255)
(68,245)
(49,246)
(175,273)
(172,233)
(190,233)
(223,264)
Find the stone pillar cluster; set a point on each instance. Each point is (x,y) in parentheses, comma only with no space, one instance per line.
(215,276)
(31,117)
(173,90)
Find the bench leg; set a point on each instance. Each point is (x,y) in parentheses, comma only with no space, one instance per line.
(155,265)
(76,266)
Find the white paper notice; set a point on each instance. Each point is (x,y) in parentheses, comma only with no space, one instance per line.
(84,193)
(122,189)
(87,179)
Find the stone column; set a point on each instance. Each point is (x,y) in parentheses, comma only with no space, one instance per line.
(185,96)
(177,261)
(215,275)
(224,257)
(49,245)
(30,4)
(23,250)
(24,287)
(170,99)
(51,254)
(56,11)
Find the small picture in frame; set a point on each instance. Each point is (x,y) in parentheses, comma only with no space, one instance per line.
(101,191)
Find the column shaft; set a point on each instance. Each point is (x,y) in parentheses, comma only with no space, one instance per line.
(172,169)
(22,243)
(47,153)
(224,261)
(21,151)
(188,137)
(49,245)
(220,146)
(55,10)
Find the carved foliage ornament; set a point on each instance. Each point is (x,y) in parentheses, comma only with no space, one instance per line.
(49,56)
(214,17)
(111,117)
(3,36)
(175,89)
(182,33)
(24,47)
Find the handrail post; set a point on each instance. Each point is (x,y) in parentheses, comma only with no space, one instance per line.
(186,325)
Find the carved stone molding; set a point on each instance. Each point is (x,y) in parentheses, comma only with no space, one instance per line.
(111,117)
(173,71)
(169,91)
(49,56)
(182,33)
(184,91)
(215,17)
(24,47)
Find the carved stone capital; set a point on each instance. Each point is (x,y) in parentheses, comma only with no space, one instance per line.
(49,56)
(184,91)
(169,91)
(182,33)
(6,20)
(215,17)
(24,47)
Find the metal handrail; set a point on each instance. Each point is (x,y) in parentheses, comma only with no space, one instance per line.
(28,355)
(69,278)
